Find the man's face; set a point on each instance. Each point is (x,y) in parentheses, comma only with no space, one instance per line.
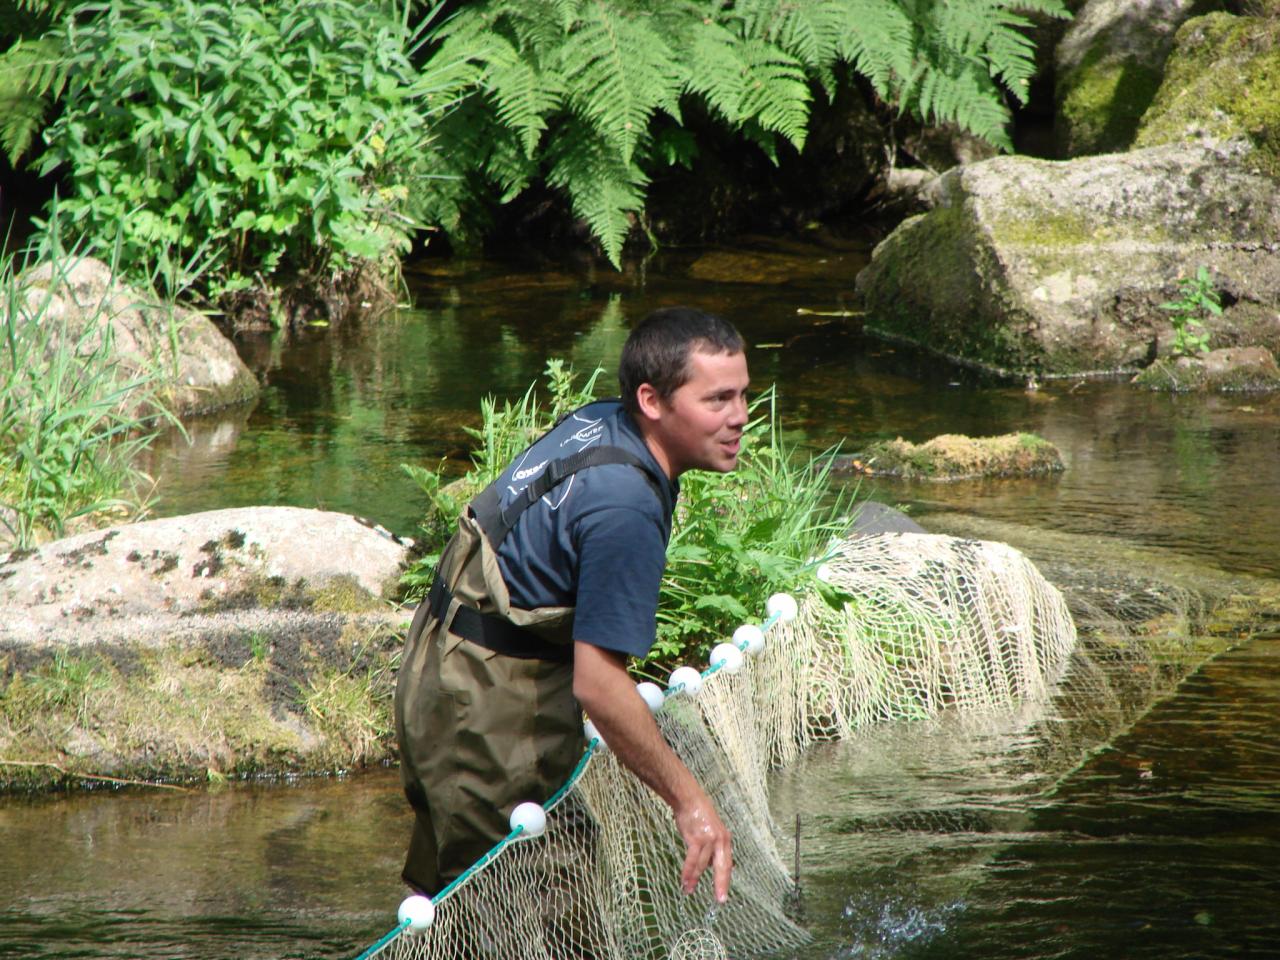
(700,426)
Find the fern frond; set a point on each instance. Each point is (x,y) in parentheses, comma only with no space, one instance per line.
(879,40)
(523,95)
(810,32)
(33,75)
(721,76)
(605,191)
(619,71)
(776,92)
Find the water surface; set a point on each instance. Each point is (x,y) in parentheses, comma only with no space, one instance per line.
(1143,826)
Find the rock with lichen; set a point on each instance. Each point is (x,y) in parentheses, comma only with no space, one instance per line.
(956,457)
(1241,369)
(1108,66)
(148,578)
(1036,266)
(1222,81)
(198,368)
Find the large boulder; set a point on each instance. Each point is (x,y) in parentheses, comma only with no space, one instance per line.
(199,368)
(1037,266)
(145,579)
(1222,81)
(1109,65)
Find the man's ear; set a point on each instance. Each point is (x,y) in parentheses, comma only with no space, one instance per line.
(649,402)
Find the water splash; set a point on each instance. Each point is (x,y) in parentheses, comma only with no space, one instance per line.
(879,928)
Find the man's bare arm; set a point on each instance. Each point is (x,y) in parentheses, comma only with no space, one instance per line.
(607,693)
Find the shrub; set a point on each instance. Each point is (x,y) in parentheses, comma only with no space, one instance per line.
(283,139)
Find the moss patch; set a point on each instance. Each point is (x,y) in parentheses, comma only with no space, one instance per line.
(956,457)
(310,700)
(1102,102)
(1222,81)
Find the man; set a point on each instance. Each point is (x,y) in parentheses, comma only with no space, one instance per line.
(549,585)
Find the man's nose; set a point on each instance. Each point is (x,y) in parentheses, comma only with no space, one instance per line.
(738,415)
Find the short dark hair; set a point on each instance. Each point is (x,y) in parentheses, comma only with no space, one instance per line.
(657,351)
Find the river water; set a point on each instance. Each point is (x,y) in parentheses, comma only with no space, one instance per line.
(1132,816)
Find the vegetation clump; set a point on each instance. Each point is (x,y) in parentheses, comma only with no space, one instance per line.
(72,421)
(250,145)
(737,537)
(234,705)
(957,457)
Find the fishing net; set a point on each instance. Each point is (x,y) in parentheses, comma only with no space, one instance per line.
(922,623)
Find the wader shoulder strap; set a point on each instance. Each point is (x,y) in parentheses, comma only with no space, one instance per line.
(497,522)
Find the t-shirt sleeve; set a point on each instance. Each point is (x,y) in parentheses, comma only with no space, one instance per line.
(621,555)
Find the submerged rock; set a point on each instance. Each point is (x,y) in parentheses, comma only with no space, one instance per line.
(1251,369)
(1037,266)
(199,368)
(957,457)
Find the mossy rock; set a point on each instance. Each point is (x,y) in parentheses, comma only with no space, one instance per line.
(1222,81)
(1110,63)
(304,694)
(957,457)
(1035,267)
(1244,370)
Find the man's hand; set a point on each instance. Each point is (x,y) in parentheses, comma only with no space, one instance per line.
(602,686)
(707,843)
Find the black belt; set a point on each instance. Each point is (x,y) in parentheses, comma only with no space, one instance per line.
(494,633)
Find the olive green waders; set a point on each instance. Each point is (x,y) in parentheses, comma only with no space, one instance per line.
(479,731)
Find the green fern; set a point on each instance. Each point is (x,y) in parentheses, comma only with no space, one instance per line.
(33,72)
(606,192)
(577,85)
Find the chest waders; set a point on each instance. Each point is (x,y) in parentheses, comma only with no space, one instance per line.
(484,706)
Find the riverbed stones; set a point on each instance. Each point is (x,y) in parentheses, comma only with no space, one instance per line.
(1036,266)
(1109,65)
(1240,369)
(148,580)
(198,367)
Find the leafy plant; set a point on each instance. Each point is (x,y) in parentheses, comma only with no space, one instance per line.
(286,138)
(741,536)
(71,421)
(502,434)
(1198,301)
(589,95)
(736,537)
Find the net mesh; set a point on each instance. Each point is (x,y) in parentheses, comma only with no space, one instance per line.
(927,622)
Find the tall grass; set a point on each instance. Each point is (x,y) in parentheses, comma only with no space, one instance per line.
(72,421)
(736,538)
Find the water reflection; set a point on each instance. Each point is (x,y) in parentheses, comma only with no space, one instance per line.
(304,870)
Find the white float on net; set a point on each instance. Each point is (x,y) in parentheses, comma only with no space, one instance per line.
(529,818)
(418,912)
(727,657)
(783,606)
(750,638)
(592,732)
(652,694)
(685,680)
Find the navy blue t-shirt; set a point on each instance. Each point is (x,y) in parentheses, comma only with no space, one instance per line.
(598,541)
